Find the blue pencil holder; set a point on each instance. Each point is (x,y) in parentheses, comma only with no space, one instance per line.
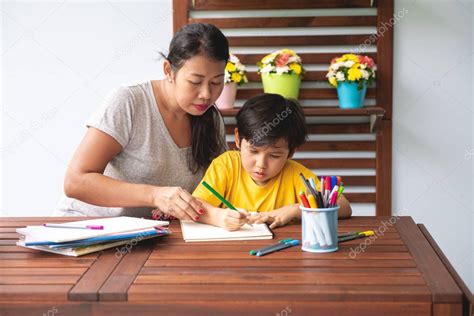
(349,95)
(319,229)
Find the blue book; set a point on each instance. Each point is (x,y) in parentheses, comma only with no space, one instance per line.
(100,239)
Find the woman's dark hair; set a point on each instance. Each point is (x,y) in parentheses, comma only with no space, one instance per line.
(266,118)
(191,40)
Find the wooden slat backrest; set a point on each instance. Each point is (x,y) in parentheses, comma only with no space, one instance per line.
(349,143)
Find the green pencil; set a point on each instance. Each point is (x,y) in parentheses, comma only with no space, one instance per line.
(217,195)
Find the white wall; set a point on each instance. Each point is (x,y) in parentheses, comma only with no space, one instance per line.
(60,59)
(432,124)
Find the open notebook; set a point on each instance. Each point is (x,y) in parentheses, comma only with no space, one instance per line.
(194,232)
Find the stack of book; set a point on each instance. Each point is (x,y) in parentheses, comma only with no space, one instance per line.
(83,237)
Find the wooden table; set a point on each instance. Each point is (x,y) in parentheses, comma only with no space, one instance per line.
(397,273)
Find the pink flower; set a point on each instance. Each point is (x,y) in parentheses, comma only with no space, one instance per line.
(367,60)
(282,60)
(333,61)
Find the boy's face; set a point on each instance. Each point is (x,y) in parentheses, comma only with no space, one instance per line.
(264,162)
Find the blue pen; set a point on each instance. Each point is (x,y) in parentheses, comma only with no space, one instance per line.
(333,182)
(279,247)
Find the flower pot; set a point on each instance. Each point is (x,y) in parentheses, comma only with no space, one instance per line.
(349,95)
(286,85)
(227,98)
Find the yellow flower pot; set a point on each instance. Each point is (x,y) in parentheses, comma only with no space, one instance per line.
(287,85)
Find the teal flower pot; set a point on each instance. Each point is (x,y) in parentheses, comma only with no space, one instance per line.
(349,96)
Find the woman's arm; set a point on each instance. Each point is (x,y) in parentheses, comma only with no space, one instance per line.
(85,181)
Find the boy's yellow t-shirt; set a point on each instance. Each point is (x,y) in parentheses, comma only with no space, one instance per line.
(228,177)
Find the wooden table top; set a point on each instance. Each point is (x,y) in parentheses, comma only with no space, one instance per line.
(396,272)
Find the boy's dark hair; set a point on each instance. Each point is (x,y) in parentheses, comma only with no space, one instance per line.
(189,41)
(266,118)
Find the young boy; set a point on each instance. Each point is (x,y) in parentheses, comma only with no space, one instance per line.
(260,176)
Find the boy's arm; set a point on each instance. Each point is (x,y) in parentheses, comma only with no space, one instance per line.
(222,217)
(277,217)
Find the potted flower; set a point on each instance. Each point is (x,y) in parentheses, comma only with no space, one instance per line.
(351,74)
(281,73)
(235,75)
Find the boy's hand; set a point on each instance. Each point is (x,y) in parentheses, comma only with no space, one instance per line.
(275,218)
(233,220)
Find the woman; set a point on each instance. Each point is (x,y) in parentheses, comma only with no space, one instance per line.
(150,143)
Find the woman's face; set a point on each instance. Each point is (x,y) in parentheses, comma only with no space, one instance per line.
(198,84)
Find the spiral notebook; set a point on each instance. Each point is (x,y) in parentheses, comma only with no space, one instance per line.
(197,232)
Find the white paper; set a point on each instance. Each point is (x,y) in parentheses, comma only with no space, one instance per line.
(193,232)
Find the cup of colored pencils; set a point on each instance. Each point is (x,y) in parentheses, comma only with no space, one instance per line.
(319,210)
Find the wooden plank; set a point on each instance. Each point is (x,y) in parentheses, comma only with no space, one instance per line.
(383,170)
(329,146)
(321,93)
(180,14)
(49,307)
(223,307)
(279,278)
(296,254)
(324,128)
(303,40)
(300,21)
(467,299)
(444,309)
(116,286)
(323,111)
(34,292)
(39,279)
(47,263)
(202,5)
(41,271)
(89,285)
(437,277)
(289,263)
(300,292)
(343,163)
(384,80)
(273,270)
(307,58)
(317,75)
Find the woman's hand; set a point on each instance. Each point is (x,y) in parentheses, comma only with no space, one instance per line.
(233,219)
(177,202)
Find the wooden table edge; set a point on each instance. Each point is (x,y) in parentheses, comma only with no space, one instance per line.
(468,298)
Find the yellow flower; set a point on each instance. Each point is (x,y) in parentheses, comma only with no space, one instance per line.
(356,66)
(352,57)
(333,81)
(288,51)
(267,58)
(236,77)
(296,68)
(230,67)
(354,74)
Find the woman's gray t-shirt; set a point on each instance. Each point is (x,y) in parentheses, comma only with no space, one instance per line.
(149,155)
